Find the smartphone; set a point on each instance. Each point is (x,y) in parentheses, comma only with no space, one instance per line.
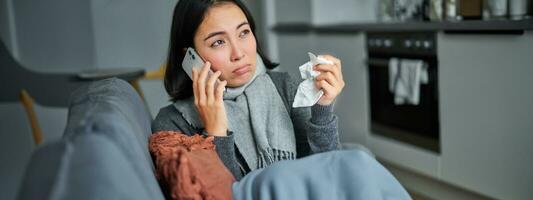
(192,60)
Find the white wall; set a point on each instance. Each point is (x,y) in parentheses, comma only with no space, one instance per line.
(131,33)
(7,32)
(134,34)
(294,11)
(54,35)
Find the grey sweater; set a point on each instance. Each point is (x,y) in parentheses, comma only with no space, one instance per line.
(315,127)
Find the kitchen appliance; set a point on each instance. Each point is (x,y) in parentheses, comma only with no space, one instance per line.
(416,125)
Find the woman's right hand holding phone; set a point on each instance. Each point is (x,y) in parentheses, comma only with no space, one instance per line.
(208,99)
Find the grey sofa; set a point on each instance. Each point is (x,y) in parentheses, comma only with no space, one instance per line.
(103,153)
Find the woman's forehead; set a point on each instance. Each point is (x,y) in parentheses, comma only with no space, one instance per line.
(223,17)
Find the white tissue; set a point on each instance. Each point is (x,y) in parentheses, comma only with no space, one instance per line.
(307,93)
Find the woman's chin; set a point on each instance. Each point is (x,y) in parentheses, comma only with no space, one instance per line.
(237,82)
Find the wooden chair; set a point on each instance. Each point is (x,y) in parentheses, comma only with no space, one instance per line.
(27,101)
(157,74)
(21,80)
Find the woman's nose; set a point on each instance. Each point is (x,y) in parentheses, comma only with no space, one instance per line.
(236,53)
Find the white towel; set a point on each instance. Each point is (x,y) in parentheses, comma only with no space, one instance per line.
(307,93)
(405,78)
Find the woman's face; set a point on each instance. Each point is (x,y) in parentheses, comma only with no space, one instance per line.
(226,40)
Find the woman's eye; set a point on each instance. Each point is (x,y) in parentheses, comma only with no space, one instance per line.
(244,33)
(217,43)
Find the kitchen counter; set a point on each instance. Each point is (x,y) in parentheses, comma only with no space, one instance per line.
(473,26)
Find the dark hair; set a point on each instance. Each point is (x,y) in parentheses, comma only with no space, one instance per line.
(188,15)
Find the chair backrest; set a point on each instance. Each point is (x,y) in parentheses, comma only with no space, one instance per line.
(14,78)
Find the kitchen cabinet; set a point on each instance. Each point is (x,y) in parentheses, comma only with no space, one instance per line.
(486,113)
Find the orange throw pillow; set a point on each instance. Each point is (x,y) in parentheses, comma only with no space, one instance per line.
(188,167)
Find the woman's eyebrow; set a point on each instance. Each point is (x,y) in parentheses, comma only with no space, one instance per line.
(242,24)
(214,34)
(223,32)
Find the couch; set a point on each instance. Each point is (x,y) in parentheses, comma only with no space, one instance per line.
(103,153)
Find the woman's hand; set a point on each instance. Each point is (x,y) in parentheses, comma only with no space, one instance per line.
(208,99)
(330,80)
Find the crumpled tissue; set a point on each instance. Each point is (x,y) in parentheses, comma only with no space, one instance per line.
(307,93)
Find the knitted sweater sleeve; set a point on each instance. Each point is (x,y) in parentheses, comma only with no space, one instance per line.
(169,119)
(315,127)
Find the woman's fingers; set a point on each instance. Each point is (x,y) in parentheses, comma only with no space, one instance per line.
(337,64)
(329,77)
(335,60)
(210,87)
(195,85)
(219,93)
(329,68)
(329,91)
(208,99)
(202,96)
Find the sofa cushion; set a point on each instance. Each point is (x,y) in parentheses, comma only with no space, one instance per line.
(100,97)
(87,166)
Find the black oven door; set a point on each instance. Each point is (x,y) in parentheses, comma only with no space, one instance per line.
(413,124)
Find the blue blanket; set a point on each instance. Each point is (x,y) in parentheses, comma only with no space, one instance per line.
(351,174)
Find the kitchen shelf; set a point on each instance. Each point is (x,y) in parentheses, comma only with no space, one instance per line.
(474,26)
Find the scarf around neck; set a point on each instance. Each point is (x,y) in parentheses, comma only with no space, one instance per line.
(258,118)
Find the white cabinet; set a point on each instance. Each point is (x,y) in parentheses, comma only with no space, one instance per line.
(486,110)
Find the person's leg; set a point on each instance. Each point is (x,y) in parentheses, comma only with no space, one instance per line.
(350,174)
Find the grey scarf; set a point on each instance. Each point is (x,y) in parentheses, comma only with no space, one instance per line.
(258,118)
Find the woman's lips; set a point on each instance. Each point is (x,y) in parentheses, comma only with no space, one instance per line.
(242,70)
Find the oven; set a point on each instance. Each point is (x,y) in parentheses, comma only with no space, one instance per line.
(413,124)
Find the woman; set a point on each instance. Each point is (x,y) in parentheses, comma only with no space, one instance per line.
(246,107)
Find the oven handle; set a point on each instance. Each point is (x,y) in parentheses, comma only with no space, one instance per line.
(378,62)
